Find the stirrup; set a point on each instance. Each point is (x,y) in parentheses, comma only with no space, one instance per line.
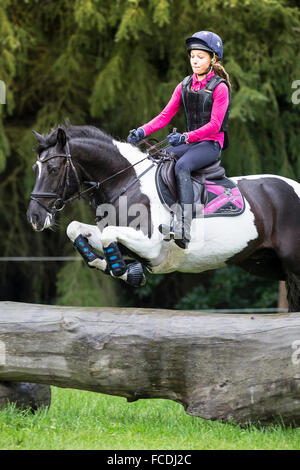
(167,231)
(183,243)
(174,233)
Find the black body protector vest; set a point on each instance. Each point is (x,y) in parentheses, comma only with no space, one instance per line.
(198,105)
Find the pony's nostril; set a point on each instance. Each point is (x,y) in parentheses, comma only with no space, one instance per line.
(34,218)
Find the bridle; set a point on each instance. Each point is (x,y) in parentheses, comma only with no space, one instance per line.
(60,197)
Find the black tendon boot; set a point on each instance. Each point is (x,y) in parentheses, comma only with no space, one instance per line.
(181,231)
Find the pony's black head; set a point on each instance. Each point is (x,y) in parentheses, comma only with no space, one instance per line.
(54,180)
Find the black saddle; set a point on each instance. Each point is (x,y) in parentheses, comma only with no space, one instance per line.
(166,174)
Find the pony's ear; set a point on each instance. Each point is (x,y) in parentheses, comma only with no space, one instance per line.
(61,137)
(38,137)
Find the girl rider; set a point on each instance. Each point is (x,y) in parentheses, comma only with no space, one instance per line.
(205,97)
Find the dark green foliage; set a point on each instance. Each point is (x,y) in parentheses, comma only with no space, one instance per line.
(115,65)
(79,285)
(231,287)
(225,288)
(163,291)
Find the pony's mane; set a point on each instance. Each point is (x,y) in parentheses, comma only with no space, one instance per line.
(88,132)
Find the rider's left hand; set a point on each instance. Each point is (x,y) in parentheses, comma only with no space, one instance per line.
(176,139)
(135,135)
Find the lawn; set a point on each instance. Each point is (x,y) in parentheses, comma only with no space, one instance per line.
(86,420)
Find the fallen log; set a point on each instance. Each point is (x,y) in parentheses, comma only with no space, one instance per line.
(236,368)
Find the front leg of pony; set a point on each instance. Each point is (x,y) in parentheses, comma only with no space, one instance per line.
(86,239)
(134,240)
(132,273)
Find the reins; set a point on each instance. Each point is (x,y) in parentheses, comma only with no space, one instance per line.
(60,199)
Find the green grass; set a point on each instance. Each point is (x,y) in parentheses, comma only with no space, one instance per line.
(85,420)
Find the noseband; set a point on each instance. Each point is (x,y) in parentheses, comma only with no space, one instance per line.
(60,198)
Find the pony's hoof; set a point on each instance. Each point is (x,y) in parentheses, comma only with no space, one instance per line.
(135,275)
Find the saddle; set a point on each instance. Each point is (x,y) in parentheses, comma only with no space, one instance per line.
(218,194)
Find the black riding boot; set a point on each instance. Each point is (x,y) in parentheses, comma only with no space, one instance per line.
(181,231)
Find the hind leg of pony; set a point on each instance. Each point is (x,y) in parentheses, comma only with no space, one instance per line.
(289,254)
(293,291)
(292,269)
(290,259)
(87,239)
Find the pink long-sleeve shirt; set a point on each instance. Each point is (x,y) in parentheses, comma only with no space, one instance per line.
(209,131)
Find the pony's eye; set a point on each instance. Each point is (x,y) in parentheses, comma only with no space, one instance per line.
(53,170)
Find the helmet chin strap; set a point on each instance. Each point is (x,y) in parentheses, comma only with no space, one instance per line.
(207,71)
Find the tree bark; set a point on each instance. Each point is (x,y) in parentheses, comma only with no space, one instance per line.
(236,368)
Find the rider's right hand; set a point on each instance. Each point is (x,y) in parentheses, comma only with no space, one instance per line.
(135,135)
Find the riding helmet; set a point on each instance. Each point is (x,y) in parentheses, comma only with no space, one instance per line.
(206,41)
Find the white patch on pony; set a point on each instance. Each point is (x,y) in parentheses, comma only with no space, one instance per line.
(73,230)
(39,165)
(98,264)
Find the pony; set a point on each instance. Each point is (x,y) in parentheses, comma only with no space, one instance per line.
(121,182)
